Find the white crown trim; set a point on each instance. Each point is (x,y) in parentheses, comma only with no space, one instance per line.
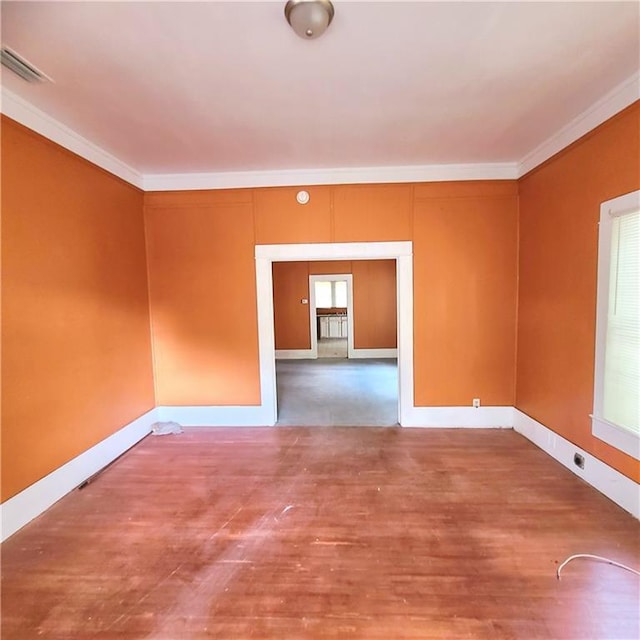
(615,101)
(26,114)
(353,175)
(625,94)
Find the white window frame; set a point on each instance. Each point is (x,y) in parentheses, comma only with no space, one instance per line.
(616,436)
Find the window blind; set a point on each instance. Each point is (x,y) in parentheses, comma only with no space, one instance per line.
(621,397)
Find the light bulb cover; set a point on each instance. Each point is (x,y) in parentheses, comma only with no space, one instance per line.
(309,18)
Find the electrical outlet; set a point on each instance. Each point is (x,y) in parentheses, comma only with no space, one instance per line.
(578,460)
(304,301)
(476,403)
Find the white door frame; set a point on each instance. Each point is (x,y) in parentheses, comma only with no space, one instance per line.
(266,255)
(333,277)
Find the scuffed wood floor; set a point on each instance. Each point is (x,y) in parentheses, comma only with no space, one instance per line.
(293,533)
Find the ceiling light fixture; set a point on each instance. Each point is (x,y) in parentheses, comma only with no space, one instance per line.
(309,18)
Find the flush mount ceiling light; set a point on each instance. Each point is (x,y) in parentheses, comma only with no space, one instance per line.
(309,18)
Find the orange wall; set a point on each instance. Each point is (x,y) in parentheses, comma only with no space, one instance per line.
(324,267)
(76,353)
(202,282)
(202,292)
(290,316)
(374,302)
(465,255)
(559,211)
(375,307)
(372,213)
(76,305)
(279,219)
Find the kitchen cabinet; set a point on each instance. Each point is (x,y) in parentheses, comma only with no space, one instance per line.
(323,327)
(333,326)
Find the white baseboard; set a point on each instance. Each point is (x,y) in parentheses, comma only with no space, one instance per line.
(217,416)
(310,354)
(616,486)
(36,499)
(374,353)
(295,354)
(462,417)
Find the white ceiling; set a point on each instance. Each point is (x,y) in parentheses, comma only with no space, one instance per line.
(184,87)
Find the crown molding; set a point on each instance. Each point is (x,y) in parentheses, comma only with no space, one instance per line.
(26,114)
(625,94)
(615,101)
(347,175)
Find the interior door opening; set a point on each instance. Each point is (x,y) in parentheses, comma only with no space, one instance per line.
(269,256)
(331,315)
(332,383)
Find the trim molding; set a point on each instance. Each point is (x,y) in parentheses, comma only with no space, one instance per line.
(265,255)
(374,353)
(295,354)
(617,487)
(625,94)
(334,251)
(309,177)
(308,354)
(26,114)
(36,499)
(460,417)
(16,512)
(217,416)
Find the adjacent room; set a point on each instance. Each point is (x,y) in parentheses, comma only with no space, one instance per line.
(320,320)
(335,329)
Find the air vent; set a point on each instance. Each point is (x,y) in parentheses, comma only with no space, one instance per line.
(21,67)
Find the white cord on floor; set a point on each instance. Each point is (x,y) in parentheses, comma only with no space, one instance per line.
(592,557)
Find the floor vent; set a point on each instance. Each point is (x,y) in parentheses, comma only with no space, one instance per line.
(11,60)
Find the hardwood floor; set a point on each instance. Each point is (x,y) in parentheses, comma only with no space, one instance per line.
(294,533)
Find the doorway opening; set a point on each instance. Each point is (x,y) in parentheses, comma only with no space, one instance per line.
(401,252)
(331,315)
(332,383)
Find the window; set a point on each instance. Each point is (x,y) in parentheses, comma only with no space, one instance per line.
(340,293)
(324,295)
(331,294)
(616,410)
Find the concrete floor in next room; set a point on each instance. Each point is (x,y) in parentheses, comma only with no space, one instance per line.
(333,348)
(338,392)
